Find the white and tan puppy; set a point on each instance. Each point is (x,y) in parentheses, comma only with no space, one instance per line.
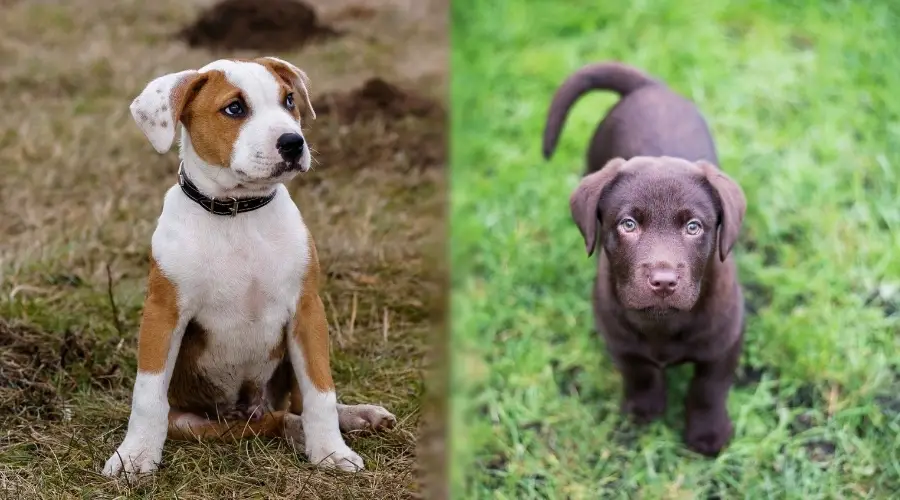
(234,339)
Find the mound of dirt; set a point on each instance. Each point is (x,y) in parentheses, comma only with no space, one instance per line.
(378,126)
(255,25)
(376,97)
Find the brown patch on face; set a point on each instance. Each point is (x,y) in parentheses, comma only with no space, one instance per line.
(311,326)
(159,319)
(212,133)
(290,81)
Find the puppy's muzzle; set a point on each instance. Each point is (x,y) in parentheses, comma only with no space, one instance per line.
(290,147)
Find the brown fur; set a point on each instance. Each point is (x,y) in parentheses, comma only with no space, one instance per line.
(649,179)
(187,427)
(160,317)
(649,120)
(189,389)
(311,327)
(292,79)
(212,133)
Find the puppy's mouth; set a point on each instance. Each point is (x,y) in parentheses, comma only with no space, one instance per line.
(286,167)
(659,311)
(278,173)
(657,307)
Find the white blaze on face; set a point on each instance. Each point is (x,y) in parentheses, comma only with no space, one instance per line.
(255,154)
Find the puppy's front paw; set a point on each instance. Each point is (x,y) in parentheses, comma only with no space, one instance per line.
(364,418)
(133,459)
(645,407)
(335,455)
(708,433)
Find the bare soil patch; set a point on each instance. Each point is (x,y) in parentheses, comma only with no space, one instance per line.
(379,125)
(256,25)
(375,98)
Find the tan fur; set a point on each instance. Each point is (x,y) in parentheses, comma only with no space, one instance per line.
(159,320)
(311,326)
(188,427)
(212,133)
(279,350)
(291,80)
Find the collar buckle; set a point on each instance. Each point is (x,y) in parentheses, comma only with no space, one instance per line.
(234,206)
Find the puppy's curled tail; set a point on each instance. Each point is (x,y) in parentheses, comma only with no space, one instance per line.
(610,75)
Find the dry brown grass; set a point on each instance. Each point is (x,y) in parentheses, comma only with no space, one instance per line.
(80,190)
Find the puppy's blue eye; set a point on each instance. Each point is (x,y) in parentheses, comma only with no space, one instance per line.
(289,102)
(693,227)
(628,225)
(235,109)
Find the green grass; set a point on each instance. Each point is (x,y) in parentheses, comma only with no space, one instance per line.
(803,101)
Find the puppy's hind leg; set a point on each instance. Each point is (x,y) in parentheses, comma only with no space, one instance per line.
(364,418)
(191,427)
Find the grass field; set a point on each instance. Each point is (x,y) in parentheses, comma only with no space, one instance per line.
(802,100)
(80,191)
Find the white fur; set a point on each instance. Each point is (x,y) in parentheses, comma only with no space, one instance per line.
(324,443)
(154,109)
(141,451)
(239,277)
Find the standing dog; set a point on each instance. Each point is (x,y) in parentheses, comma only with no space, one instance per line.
(234,339)
(667,290)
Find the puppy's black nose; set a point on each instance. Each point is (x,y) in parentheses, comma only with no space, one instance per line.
(663,282)
(290,146)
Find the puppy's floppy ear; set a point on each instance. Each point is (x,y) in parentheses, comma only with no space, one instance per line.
(586,198)
(158,108)
(293,75)
(734,206)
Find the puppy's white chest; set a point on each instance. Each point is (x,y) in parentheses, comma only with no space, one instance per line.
(250,283)
(238,277)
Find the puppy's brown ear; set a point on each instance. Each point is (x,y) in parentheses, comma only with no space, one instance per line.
(734,207)
(293,75)
(586,198)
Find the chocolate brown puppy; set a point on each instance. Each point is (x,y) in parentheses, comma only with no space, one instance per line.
(667,218)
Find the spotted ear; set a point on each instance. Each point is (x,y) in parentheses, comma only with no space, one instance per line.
(158,108)
(293,75)
(586,199)
(734,207)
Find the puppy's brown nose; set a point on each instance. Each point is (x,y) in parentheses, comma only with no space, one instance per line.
(663,282)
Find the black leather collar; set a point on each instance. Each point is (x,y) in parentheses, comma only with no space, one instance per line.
(227,206)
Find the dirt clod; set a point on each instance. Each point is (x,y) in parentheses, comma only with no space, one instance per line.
(376,97)
(378,125)
(255,25)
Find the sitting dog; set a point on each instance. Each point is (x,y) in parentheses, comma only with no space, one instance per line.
(666,290)
(234,340)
